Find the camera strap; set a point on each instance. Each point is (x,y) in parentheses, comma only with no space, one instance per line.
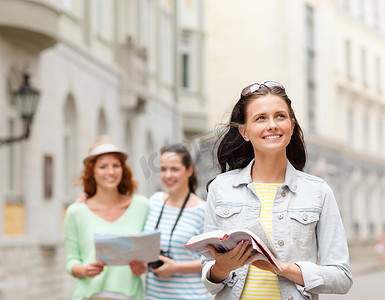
(176,221)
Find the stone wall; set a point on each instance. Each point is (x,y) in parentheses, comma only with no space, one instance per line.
(32,271)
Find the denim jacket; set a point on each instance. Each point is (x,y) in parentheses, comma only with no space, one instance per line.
(307,231)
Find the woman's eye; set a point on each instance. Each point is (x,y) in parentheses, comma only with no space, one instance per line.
(260,118)
(281,116)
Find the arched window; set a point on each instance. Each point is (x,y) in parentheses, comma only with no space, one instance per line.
(351,127)
(365,131)
(102,123)
(70,158)
(372,204)
(102,20)
(382,204)
(355,210)
(128,142)
(380,135)
(153,181)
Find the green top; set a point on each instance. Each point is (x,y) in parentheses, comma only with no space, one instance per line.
(79,228)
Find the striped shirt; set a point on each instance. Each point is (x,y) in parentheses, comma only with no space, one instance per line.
(180,285)
(262,284)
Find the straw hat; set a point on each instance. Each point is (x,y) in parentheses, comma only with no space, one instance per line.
(103,145)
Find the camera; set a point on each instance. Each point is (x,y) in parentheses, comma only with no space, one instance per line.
(156,264)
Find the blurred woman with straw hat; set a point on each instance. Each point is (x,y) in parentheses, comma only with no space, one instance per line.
(111,207)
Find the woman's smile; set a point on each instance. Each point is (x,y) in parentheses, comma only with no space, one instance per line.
(272,137)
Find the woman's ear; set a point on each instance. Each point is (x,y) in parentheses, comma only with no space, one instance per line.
(292,125)
(242,131)
(190,170)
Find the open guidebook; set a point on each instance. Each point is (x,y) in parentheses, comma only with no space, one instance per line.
(223,241)
(122,249)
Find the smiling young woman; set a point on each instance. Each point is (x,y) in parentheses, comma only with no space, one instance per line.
(261,154)
(178,213)
(111,207)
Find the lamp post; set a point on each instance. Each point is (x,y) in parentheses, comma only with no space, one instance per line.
(26,100)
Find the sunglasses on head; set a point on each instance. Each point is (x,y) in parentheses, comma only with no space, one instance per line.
(255,87)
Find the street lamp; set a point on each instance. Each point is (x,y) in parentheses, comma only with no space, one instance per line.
(26,100)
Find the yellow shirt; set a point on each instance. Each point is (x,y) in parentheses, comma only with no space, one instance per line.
(262,284)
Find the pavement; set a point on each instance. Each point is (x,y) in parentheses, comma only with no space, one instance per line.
(366,266)
(368,281)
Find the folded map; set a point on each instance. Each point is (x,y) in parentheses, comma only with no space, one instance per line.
(122,249)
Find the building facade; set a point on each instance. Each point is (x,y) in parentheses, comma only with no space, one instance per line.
(153,72)
(132,69)
(330,55)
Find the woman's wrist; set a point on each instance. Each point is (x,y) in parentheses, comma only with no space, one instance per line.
(79,270)
(217,275)
(178,267)
(192,267)
(287,268)
(292,272)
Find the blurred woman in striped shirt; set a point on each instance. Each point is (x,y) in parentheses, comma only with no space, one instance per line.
(179,215)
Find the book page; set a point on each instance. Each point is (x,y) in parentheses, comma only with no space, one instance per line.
(122,249)
(258,228)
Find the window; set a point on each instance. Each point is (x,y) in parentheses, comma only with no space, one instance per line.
(380,135)
(102,18)
(381,211)
(145,23)
(345,4)
(368,205)
(361,9)
(378,78)
(348,59)
(366,132)
(356,228)
(166,64)
(364,73)
(375,12)
(186,49)
(102,123)
(129,142)
(310,66)
(98,18)
(152,181)
(68,5)
(355,225)
(350,130)
(185,70)
(69,142)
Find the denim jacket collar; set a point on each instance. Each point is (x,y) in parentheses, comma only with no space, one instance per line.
(244,176)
